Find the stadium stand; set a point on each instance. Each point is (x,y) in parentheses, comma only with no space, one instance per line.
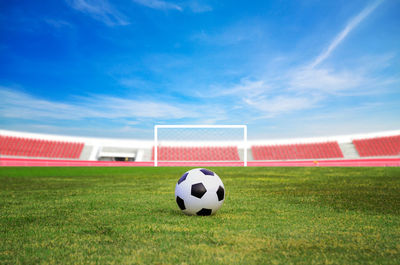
(378,146)
(297,151)
(208,153)
(27,147)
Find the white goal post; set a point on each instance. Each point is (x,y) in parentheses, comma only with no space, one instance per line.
(240,139)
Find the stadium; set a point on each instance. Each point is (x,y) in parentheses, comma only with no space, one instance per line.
(30,149)
(315,200)
(199,132)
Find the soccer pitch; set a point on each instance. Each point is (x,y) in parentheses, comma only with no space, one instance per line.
(129,215)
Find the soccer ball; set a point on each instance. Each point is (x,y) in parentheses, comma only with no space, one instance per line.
(199,192)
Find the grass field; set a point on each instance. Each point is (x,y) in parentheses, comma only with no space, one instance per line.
(270,216)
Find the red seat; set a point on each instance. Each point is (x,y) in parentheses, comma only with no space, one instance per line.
(378,146)
(19,146)
(297,151)
(208,153)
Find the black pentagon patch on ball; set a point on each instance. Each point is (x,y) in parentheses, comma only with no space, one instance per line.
(183,177)
(220,193)
(180,203)
(204,212)
(198,190)
(207,172)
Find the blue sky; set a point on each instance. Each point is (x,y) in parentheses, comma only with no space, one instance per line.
(116,68)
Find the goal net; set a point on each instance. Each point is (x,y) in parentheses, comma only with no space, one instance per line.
(200,145)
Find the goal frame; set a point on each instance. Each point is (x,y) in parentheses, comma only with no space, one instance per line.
(156,127)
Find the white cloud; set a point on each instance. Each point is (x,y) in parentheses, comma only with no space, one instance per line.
(119,108)
(250,30)
(15,104)
(324,80)
(133,82)
(303,88)
(194,5)
(262,96)
(124,131)
(158,4)
(199,7)
(361,78)
(306,86)
(244,88)
(57,23)
(281,104)
(343,34)
(100,10)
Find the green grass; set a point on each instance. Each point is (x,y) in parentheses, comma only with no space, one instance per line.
(129,216)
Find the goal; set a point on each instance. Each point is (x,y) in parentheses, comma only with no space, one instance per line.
(200,145)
